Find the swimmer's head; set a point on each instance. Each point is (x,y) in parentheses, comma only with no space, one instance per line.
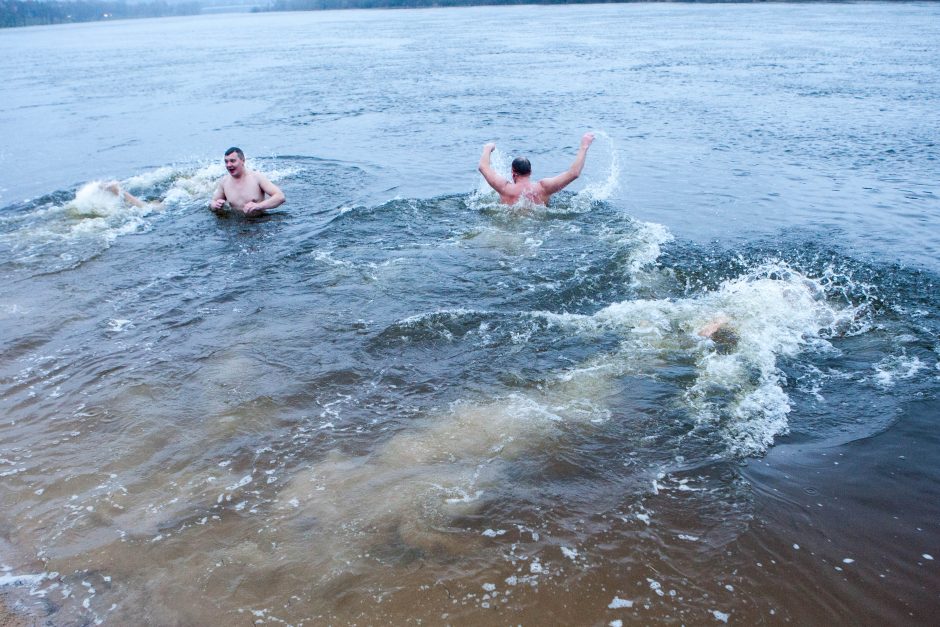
(521,167)
(235,161)
(726,340)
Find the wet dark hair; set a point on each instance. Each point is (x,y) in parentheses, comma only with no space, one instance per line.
(237,151)
(521,165)
(725,339)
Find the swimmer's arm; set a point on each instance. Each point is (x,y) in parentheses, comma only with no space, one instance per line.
(134,200)
(218,198)
(557,183)
(275,197)
(128,197)
(492,178)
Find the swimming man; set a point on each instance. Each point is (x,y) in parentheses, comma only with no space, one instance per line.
(243,189)
(115,188)
(521,187)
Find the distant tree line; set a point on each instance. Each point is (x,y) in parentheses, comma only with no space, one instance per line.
(317,5)
(31,12)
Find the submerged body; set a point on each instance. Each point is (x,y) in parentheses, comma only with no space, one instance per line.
(115,188)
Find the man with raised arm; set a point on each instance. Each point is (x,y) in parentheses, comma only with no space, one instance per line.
(522,187)
(243,189)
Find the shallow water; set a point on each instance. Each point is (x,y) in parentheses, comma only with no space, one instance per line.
(393,400)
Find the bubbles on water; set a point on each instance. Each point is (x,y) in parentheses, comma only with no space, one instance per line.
(645,244)
(775,313)
(93,200)
(892,368)
(737,336)
(153,178)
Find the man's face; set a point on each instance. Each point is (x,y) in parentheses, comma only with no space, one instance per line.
(234,164)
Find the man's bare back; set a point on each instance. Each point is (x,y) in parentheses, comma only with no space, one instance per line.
(245,190)
(522,188)
(525,191)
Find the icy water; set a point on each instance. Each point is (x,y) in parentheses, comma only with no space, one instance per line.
(393,401)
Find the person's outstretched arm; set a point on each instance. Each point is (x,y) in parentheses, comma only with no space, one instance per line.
(128,197)
(495,180)
(557,183)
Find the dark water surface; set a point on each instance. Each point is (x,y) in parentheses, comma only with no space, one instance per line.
(394,401)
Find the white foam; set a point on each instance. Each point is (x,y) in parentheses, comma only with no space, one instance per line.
(93,200)
(78,228)
(152,178)
(656,587)
(462,495)
(648,241)
(119,324)
(618,603)
(326,256)
(20,580)
(194,185)
(774,312)
(241,483)
(890,369)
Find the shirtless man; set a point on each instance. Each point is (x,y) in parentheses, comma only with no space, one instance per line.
(521,187)
(243,189)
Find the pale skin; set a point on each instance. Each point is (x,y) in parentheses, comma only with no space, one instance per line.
(521,187)
(714,326)
(245,190)
(115,188)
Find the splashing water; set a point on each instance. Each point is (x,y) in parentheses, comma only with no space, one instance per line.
(602,157)
(602,188)
(769,314)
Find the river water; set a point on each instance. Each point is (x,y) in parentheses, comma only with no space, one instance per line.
(394,401)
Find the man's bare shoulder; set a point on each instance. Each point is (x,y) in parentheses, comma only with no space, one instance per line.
(253,176)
